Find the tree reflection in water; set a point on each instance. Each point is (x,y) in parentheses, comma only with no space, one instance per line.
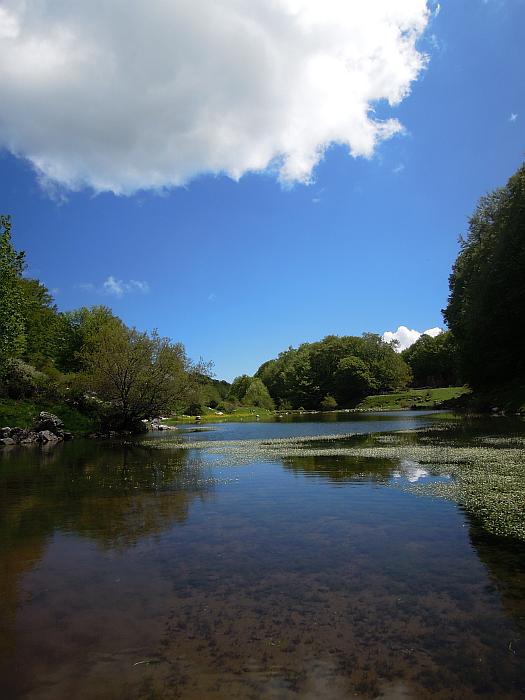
(115,495)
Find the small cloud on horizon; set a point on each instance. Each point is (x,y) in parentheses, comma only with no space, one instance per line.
(115,287)
(407,336)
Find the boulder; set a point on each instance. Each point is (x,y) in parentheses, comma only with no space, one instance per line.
(7,441)
(5,432)
(66,435)
(29,439)
(48,421)
(45,436)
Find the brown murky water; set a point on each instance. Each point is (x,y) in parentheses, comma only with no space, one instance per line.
(128,572)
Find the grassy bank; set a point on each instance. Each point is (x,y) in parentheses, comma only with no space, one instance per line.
(241,414)
(412,398)
(22,413)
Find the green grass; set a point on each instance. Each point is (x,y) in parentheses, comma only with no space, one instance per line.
(419,398)
(22,413)
(243,413)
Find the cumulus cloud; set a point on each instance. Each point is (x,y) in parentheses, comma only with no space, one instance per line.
(115,287)
(407,337)
(127,95)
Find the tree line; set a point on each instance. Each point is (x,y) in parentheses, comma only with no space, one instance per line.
(336,371)
(88,357)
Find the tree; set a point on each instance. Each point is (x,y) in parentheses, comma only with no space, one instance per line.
(352,380)
(257,395)
(42,324)
(485,310)
(12,330)
(434,361)
(239,387)
(328,403)
(80,332)
(303,376)
(139,375)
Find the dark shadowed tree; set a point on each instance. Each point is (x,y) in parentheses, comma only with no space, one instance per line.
(486,306)
(434,361)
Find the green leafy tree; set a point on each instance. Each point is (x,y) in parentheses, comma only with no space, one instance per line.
(303,376)
(328,403)
(12,328)
(352,380)
(486,305)
(79,333)
(257,395)
(137,374)
(43,324)
(239,387)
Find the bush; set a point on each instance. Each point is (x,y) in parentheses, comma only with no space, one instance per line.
(194,409)
(328,403)
(23,381)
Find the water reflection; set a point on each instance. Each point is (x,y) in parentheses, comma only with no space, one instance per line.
(342,469)
(115,495)
(505,562)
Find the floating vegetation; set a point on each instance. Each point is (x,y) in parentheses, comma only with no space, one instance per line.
(487,476)
(508,441)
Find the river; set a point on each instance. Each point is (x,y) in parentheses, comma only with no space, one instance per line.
(190,565)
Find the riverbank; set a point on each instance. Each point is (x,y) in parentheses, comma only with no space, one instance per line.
(413,398)
(24,412)
(398,401)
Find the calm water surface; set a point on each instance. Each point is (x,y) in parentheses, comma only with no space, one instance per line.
(129,572)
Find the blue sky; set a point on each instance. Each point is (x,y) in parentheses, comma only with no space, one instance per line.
(238,270)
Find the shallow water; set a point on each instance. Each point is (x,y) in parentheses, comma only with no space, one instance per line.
(131,572)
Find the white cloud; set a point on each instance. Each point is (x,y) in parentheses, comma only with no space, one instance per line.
(115,287)
(398,169)
(513,117)
(407,337)
(127,95)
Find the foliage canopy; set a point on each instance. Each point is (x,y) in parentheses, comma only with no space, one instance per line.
(486,305)
(345,368)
